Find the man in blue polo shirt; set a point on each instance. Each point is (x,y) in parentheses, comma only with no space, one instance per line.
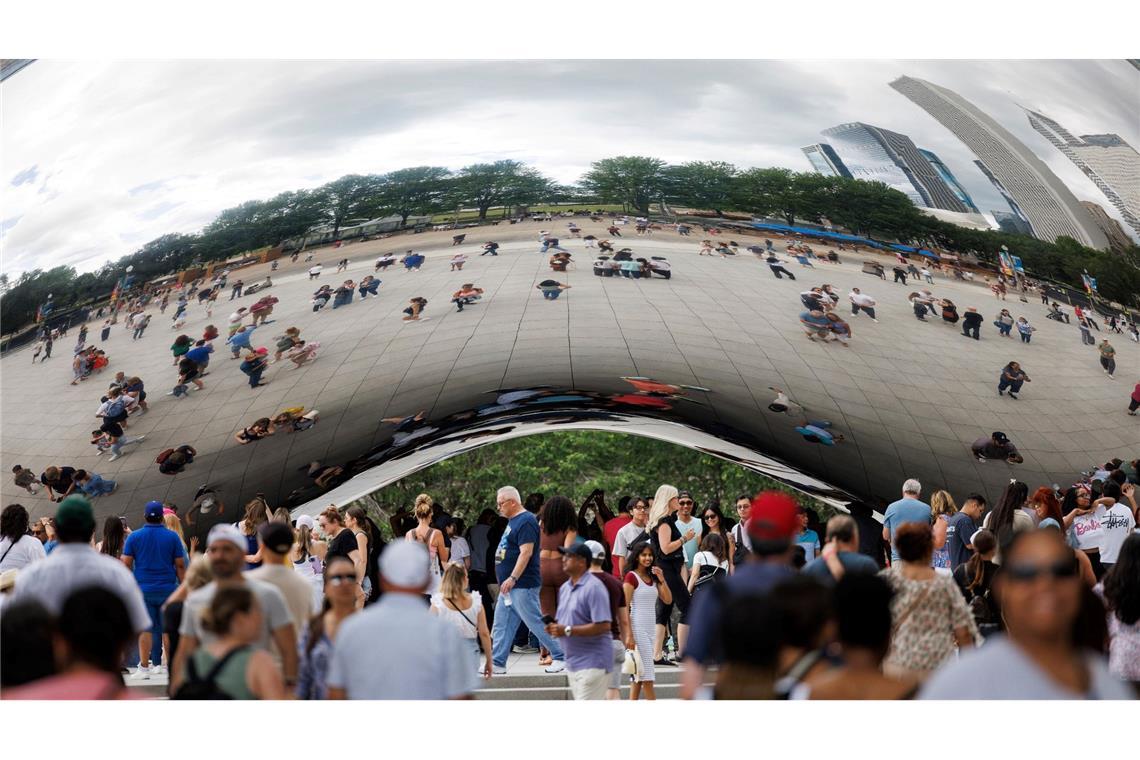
(517,568)
(906,510)
(200,355)
(156,556)
(583,625)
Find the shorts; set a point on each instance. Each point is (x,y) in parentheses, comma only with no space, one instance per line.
(112,428)
(619,661)
(189,376)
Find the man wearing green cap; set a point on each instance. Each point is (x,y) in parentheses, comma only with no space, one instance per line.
(75,565)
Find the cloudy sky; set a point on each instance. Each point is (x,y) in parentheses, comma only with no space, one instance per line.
(98,158)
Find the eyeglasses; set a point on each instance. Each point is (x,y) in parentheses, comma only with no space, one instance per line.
(1025,572)
(336,580)
(710,516)
(685,502)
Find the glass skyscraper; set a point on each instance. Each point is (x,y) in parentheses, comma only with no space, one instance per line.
(826,161)
(950,180)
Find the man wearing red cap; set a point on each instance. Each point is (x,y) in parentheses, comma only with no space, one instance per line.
(772,527)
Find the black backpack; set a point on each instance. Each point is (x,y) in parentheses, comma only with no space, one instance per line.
(205,687)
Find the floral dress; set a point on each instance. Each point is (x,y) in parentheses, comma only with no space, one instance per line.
(925,614)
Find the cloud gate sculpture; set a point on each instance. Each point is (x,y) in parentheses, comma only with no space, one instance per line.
(693,359)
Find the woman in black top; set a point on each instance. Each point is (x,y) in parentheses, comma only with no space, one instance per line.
(669,547)
(255,432)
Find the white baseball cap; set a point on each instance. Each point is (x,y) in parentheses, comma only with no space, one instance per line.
(226,532)
(597,551)
(405,564)
(306,521)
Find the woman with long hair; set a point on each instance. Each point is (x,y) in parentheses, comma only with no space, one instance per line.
(315,647)
(1120,591)
(714,521)
(308,555)
(237,622)
(559,522)
(357,521)
(1081,525)
(282,515)
(18,548)
(424,533)
(930,617)
(1008,516)
(644,586)
(256,515)
(172,522)
(710,564)
(114,536)
(1044,504)
(942,508)
(974,577)
(464,610)
(670,558)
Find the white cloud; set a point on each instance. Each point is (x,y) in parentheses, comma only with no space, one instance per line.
(100,157)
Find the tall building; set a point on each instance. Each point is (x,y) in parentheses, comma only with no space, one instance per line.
(1012,223)
(1043,199)
(826,161)
(1118,239)
(875,153)
(950,180)
(1112,164)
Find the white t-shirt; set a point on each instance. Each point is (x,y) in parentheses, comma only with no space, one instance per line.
(707,558)
(1087,532)
(1117,524)
(626,536)
(459,550)
(861,299)
(27,550)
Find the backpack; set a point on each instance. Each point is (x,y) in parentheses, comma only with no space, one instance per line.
(116,409)
(163,456)
(983,612)
(206,687)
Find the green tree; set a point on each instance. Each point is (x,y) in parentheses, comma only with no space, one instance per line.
(289,215)
(351,196)
(701,185)
(419,190)
(502,183)
(635,181)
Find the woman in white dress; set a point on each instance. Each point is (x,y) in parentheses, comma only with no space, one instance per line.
(644,585)
(464,610)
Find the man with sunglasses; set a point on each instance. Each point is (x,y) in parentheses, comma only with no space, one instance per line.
(1039,587)
(686,523)
(742,542)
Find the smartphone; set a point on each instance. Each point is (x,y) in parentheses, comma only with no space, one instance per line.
(548,619)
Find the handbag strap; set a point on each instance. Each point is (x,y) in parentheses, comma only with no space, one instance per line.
(910,608)
(463,615)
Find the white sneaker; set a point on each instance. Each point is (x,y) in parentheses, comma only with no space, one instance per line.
(143,671)
(556,667)
(158,670)
(113,457)
(495,670)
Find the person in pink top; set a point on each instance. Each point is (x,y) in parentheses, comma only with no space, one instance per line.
(92,631)
(1135,402)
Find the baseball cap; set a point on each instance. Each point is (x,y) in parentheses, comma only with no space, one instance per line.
(262,351)
(306,521)
(577,550)
(153,511)
(276,537)
(405,564)
(1000,437)
(774,517)
(74,513)
(597,551)
(685,495)
(226,532)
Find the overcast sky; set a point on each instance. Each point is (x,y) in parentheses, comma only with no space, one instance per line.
(98,158)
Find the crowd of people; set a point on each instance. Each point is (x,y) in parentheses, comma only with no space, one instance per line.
(1037,596)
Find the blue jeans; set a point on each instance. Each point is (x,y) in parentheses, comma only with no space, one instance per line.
(154,600)
(551,294)
(98,486)
(524,607)
(1013,385)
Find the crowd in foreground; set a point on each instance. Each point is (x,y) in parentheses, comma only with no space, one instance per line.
(1036,597)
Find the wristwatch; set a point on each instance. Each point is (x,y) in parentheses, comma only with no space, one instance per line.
(568,630)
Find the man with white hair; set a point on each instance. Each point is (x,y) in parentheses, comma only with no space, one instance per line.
(906,510)
(517,569)
(397,649)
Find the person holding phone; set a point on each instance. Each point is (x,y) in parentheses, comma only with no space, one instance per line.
(644,586)
(583,625)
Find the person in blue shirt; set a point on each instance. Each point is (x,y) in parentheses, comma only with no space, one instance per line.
(815,324)
(841,553)
(807,538)
(519,575)
(905,510)
(240,339)
(157,557)
(200,355)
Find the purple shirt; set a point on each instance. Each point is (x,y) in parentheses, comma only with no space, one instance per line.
(582,603)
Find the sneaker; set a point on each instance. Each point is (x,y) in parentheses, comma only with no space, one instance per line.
(1012,395)
(524,650)
(557,666)
(143,671)
(158,670)
(981,458)
(495,670)
(1002,393)
(113,457)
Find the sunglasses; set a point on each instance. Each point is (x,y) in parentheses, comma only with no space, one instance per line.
(336,580)
(685,502)
(709,517)
(1026,573)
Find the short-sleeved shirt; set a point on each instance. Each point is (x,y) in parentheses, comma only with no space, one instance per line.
(154,549)
(521,529)
(199,354)
(610,531)
(990,450)
(582,603)
(617,599)
(905,510)
(853,562)
(422,657)
(64,482)
(626,536)
(960,530)
(751,578)
(1117,524)
(692,546)
(809,540)
(274,612)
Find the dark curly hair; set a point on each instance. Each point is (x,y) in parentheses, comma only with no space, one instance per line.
(14,522)
(558,515)
(1121,591)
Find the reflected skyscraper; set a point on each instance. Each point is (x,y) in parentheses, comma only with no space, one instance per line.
(950,180)
(1040,195)
(826,161)
(1112,164)
(874,153)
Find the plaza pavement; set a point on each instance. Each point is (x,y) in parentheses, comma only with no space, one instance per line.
(909,397)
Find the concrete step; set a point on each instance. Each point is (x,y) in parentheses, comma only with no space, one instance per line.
(547,693)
